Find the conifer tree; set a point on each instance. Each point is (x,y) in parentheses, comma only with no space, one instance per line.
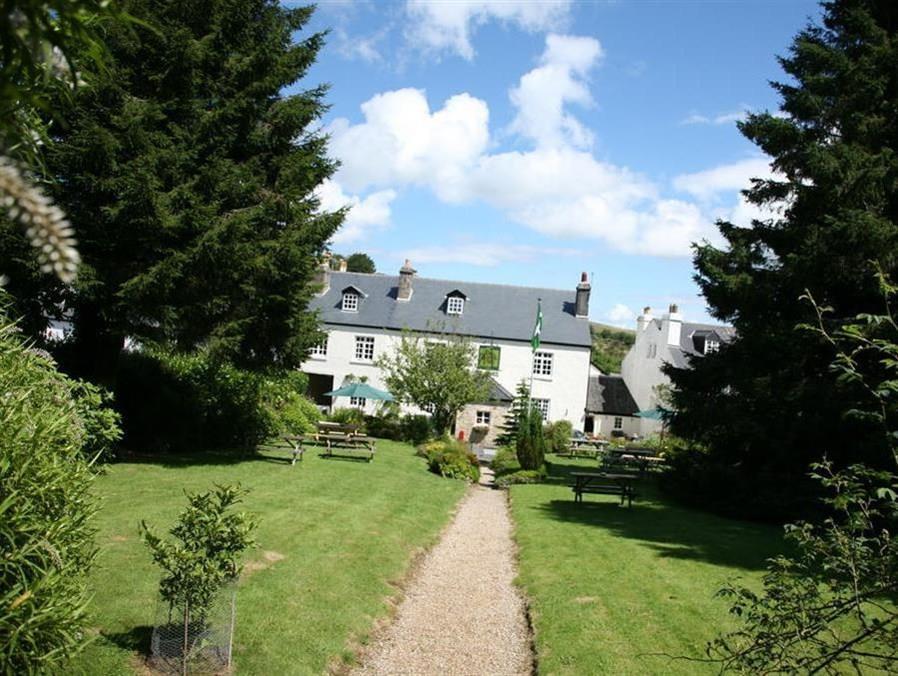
(766,403)
(189,173)
(516,416)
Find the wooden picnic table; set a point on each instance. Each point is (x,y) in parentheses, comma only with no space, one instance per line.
(607,483)
(587,447)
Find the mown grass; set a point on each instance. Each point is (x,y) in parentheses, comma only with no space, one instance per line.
(333,534)
(617,590)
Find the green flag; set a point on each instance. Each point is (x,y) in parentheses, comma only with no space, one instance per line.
(538,327)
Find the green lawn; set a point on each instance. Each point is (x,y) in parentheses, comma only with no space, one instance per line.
(333,534)
(610,586)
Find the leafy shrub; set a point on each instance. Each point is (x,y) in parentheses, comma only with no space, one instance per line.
(416,429)
(101,424)
(530,445)
(186,402)
(451,458)
(558,436)
(209,542)
(46,510)
(386,425)
(523,476)
(348,416)
(505,462)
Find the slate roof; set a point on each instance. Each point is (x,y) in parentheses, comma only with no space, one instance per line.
(692,340)
(498,394)
(609,395)
(490,311)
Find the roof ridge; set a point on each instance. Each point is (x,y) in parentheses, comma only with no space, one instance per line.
(459,281)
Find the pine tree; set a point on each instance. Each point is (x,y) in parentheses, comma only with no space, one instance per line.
(189,177)
(515,416)
(767,403)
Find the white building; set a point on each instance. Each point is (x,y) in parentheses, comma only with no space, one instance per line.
(364,316)
(665,340)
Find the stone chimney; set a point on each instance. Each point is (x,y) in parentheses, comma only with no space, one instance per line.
(406,272)
(672,325)
(643,320)
(343,265)
(322,277)
(582,304)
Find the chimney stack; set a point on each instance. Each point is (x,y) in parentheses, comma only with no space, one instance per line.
(643,320)
(582,303)
(322,277)
(672,324)
(406,272)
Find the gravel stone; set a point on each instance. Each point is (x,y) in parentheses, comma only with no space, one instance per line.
(461,613)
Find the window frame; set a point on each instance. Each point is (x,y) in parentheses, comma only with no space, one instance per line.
(618,423)
(543,364)
(480,359)
(711,346)
(319,350)
(344,306)
(358,402)
(455,305)
(544,406)
(483,418)
(361,343)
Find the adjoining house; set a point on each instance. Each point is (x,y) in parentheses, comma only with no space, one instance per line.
(364,316)
(665,340)
(610,408)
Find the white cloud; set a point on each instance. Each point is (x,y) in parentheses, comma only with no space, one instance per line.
(367,213)
(557,187)
(483,254)
(543,93)
(364,48)
(620,315)
(722,118)
(447,25)
(727,178)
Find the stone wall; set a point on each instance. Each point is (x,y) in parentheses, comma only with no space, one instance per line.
(467,423)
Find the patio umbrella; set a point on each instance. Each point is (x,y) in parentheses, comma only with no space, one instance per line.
(656,413)
(360,390)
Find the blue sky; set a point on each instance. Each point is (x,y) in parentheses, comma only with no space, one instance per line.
(525,142)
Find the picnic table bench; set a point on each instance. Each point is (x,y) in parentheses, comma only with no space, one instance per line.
(590,448)
(605,483)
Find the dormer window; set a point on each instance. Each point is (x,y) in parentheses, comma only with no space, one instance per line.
(455,305)
(350,302)
(711,345)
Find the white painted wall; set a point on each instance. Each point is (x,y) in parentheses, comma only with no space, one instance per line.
(641,368)
(565,388)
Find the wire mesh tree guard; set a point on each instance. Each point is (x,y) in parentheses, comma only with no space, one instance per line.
(196,640)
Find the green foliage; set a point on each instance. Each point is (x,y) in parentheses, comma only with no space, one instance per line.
(609,347)
(451,458)
(348,416)
(439,375)
(522,476)
(558,436)
(360,262)
(100,422)
(46,509)
(530,446)
(416,429)
(209,540)
(834,149)
(505,461)
(516,415)
(179,402)
(189,177)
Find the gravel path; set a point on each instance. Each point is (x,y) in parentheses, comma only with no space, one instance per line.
(461,614)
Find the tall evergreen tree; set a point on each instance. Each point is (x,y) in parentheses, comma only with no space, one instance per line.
(767,402)
(189,176)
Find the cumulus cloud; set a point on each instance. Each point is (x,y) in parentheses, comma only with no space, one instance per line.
(557,187)
(484,254)
(726,178)
(365,214)
(543,93)
(447,25)
(621,315)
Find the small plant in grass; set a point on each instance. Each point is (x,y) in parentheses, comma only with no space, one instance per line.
(209,540)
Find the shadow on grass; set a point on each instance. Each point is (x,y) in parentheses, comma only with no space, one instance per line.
(672,531)
(210,458)
(136,640)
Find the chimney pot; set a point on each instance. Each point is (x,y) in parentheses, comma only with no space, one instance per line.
(673,309)
(646,310)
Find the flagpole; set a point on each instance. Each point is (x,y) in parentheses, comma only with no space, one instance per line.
(533,353)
